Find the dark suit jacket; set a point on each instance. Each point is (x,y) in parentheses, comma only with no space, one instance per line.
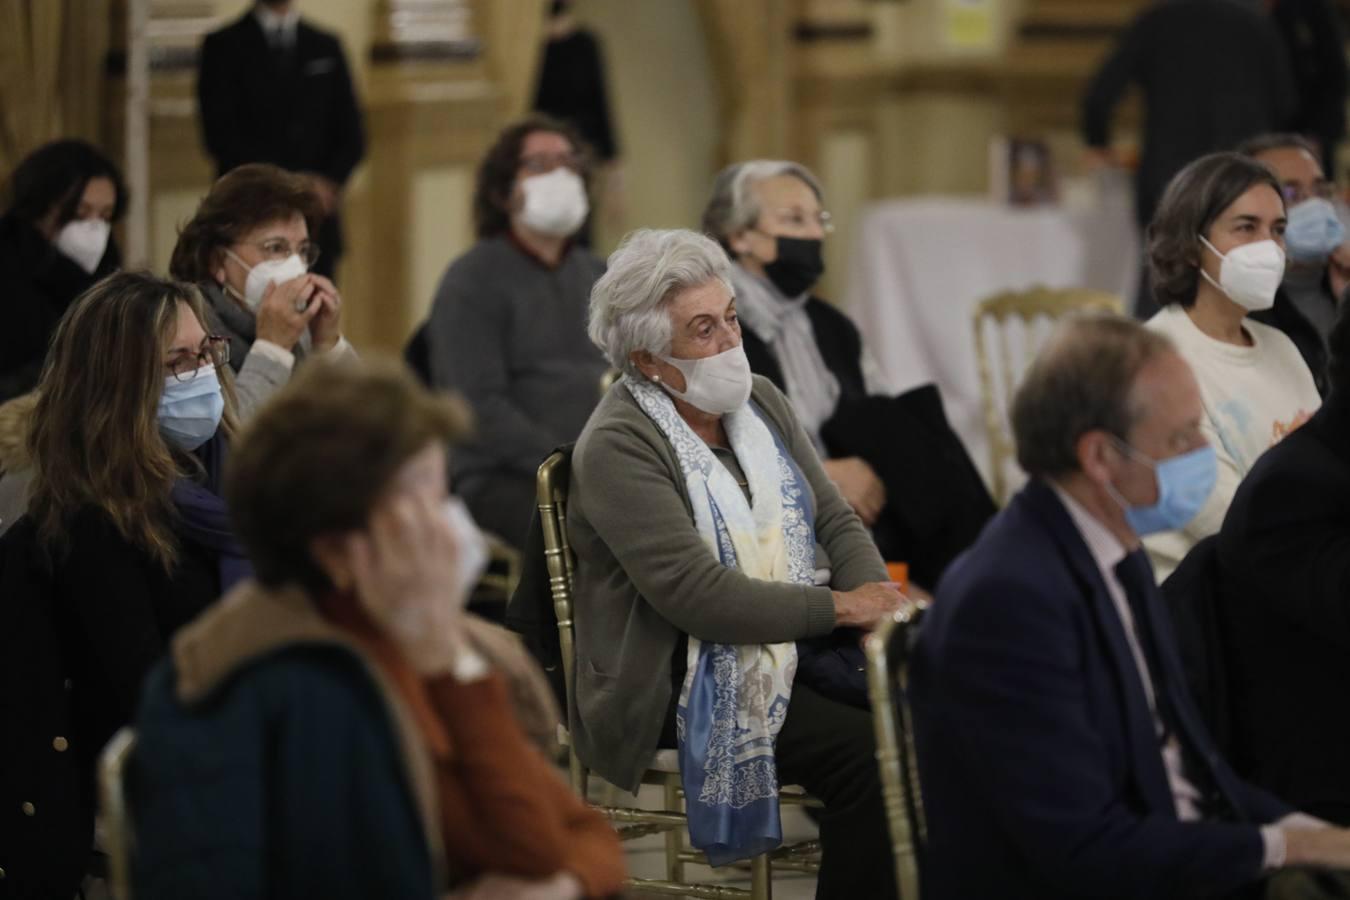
(937,502)
(1285,316)
(302,117)
(1038,756)
(1284,558)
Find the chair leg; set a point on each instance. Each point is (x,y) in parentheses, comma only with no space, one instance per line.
(761,878)
(675,836)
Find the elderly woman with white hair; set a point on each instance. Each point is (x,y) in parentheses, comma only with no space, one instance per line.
(709,541)
(895,459)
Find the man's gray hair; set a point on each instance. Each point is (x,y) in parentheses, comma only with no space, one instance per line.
(1082,380)
(629,303)
(734,207)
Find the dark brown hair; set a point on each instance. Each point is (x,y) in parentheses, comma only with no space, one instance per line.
(1081,381)
(1194,199)
(240,201)
(55,175)
(320,455)
(497,171)
(95,437)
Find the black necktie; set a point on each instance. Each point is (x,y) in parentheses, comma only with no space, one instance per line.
(1136,577)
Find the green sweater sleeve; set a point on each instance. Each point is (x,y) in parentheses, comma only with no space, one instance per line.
(854,558)
(626,489)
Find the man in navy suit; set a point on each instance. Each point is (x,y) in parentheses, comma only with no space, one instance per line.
(273,88)
(1059,751)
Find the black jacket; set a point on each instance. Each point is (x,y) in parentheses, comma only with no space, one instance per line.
(298,111)
(937,503)
(1285,316)
(40,282)
(77,638)
(1284,555)
(1212,72)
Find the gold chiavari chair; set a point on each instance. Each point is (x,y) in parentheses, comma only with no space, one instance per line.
(115,815)
(664,770)
(887,651)
(998,314)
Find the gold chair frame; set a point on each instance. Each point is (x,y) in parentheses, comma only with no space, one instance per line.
(631,822)
(887,650)
(118,836)
(1026,306)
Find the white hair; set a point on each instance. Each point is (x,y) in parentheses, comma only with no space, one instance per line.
(629,303)
(734,207)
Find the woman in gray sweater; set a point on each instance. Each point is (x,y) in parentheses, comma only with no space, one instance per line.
(708,542)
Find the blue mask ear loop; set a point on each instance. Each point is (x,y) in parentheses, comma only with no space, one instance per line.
(1125,449)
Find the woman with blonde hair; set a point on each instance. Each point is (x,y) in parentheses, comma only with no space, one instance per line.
(128,533)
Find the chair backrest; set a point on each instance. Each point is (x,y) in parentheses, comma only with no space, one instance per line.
(118,834)
(1025,318)
(608,379)
(887,651)
(551,485)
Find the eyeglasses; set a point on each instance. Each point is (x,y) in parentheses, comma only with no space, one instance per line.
(214,350)
(797,219)
(280,248)
(1297,193)
(543,163)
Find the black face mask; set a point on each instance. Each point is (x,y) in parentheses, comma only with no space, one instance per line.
(799,265)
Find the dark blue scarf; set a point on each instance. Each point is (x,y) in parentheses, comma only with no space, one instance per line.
(202,518)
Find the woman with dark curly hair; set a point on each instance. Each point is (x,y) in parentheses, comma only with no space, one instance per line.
(508,324)
(1216,254)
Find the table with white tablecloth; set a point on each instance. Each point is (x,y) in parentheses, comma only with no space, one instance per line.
(920,267)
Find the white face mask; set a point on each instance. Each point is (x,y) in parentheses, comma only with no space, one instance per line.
(84,241)
(272,271)
(471,546)
(555,204)
(1250,274)
(715,384)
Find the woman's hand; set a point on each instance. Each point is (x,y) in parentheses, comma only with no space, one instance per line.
(563,886)
(865,606)
(860,486)
(404,569)
(286,311)
(326,326)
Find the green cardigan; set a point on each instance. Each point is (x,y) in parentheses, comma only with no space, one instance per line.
(644,576)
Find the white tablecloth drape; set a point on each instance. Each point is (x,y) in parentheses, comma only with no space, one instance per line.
(920,267)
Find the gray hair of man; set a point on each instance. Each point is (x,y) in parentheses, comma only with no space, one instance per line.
(1082,380)
(629,304)
(734,207)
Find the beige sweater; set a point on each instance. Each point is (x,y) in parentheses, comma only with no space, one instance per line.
(1253,396)
(644,576)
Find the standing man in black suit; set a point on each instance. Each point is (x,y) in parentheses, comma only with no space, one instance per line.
(275,89)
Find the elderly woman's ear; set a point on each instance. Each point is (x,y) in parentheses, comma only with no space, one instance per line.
(645,363)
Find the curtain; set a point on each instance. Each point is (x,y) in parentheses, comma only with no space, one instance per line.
(51,73)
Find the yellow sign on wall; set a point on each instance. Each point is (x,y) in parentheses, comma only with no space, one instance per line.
(968,24)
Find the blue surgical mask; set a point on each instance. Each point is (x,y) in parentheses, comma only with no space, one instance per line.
(1184,484)
(1314,230)
(190,411)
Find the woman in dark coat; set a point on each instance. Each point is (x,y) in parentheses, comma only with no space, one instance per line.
(55,242)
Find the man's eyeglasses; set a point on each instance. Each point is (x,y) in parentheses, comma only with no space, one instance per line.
(214,350)
(280,248)
(1297,193)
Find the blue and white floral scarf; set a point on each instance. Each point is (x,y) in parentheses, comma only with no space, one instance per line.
(735,696)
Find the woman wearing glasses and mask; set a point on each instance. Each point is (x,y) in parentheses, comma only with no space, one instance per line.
(893,457)
(127,540)
(248,248)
